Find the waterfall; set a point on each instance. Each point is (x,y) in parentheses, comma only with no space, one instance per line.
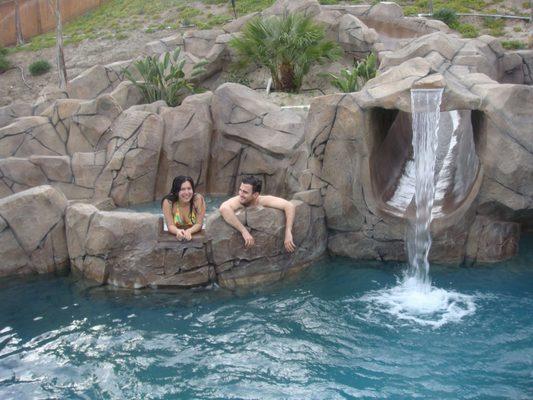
(414,299)
(425,108)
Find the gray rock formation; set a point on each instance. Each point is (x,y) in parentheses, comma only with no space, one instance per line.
(32,232)
(130,250)
(362,135)
(253,137)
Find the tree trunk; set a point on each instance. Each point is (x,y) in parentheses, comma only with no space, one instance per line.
(18,27)
(286,78)
(60,57)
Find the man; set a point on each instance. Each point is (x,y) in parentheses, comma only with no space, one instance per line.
(249,195)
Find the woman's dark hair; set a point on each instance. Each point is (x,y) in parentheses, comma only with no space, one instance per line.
(252,180)
(173,196)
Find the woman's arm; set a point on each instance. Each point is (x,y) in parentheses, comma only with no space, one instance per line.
(199,204)
(169,220)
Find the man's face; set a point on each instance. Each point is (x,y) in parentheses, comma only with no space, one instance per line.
(246,196)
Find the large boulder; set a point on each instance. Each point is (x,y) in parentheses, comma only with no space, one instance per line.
(129,249)
(12,111)
(187,138)
(252,137)
(32,232)
(93,82)
(355,37)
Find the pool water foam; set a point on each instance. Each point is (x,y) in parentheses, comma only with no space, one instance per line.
(414,299)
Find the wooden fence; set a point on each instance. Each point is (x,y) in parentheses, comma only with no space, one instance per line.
(37,16)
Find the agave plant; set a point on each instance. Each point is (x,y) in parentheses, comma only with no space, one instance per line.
(287,45)
(352,80)
(163,78)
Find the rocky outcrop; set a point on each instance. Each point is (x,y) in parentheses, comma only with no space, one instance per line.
(130,250)
(15,110)
(32,232)
(100,151)
(253,137)
(186,144)
(363,134)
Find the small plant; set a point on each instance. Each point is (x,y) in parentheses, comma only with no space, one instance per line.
(39,67)
(164,78)
(448,16)
(513,44)
(517,29)
(468,30)
(238,77)
(496,26)
(352,80)
(4,62)
(287,45)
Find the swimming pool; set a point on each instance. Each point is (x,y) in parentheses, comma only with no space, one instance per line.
(317,336)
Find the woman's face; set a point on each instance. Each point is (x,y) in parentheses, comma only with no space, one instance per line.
(185,194)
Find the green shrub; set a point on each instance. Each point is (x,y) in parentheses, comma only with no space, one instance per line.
(39,67)
(448,16)
(164,78)
(4,65)
(352,80)
(287,45)
(513,44)
(468,30)
(496,26)
(4,62)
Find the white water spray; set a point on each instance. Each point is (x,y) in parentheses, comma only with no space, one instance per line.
(414,299)
(425,106)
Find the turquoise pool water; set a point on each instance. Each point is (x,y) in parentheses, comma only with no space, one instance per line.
(212,203)
(318,336)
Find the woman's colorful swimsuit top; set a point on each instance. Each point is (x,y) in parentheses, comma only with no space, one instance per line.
(184,221)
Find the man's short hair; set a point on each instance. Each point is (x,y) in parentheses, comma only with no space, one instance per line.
(252,180)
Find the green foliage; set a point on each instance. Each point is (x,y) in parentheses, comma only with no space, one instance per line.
(352,80)
(238,77)
(496,26)
(4,62)
(39,67)
(448,16)
(287,45)
(468,30)
(513,44)
(517,29)
(164,78)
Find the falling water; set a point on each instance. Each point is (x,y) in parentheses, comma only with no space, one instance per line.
(425,106)
(414,299)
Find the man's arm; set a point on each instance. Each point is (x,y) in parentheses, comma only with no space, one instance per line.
(227,210)
(290,210)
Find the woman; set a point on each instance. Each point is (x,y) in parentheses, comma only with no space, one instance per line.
(184,210)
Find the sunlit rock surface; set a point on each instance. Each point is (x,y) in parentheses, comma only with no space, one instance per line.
(32,232)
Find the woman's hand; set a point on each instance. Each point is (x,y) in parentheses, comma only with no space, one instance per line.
(187,234)
(180,234)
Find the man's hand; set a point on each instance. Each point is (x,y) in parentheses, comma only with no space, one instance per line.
(248,239)
(289,244)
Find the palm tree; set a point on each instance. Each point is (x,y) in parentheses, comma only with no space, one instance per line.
(287,45)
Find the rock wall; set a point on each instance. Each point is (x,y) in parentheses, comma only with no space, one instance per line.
(486,193)
(32,232)
(130,250)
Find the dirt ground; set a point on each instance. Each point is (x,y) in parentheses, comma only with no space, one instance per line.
(84,55)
